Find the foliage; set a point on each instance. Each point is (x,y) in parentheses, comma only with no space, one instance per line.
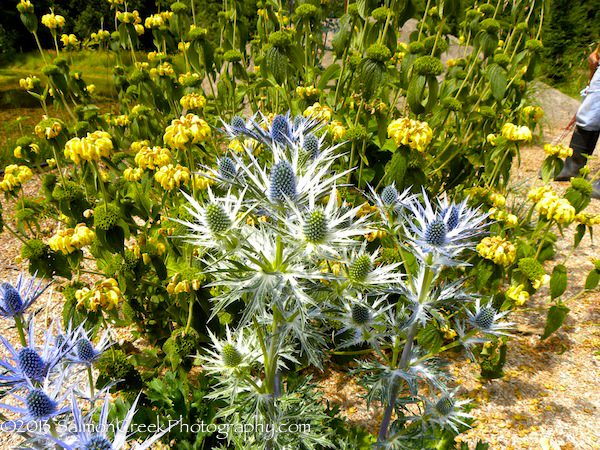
(363,208)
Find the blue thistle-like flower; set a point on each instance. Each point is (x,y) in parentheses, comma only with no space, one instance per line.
(12,299)
(85,350)
(451,217)
(227,169)
(435,234)
(238,123)
(360,314)
(311,145)
(31,364)
(389,195)
(485,318)
(98,443)
(96,439)
(16,299)
(39,405)
(283,182)
(280,130)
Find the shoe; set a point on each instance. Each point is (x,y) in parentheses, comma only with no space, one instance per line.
(583,143)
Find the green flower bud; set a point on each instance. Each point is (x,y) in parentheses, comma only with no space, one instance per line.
(428,65)
(106,216)
(379,52)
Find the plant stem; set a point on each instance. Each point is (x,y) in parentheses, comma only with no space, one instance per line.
(190,314)
(20,326)
(91,381)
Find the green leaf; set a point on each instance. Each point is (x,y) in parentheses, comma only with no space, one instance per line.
(558,281)
(331,72)
(363,8)
(592,279)
(579,233)
(115,239)
(430,338)
(159,266)
(556,317)
(497,76)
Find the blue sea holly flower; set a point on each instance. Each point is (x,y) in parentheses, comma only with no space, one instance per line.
(16,299)
(227,169)
(91,435)
(84,352)
(362,320)
(31,364)
(216,224)
(443,230)
(283,182)
(390,201)
(40,404)
(281,130)
(446,411)
(487,320)
(322,231)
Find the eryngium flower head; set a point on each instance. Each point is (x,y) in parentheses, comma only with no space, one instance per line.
(84,352)
(231,356)
(444,229)
(39,405)
(16,299)
(360,268)
(31,364)
(280,130)
(92,435)
(227,169)
(362,318)
(311,145)
(389,195)
(360,314)
(238,123)
(315,226)
(446,411)
(488,320)
(283,182)
(217,219)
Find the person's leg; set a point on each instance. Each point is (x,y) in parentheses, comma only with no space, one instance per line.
(586,132)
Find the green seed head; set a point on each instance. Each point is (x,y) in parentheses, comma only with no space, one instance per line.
(315,227)
(217,219)
(444,406)
(360,268)
(231,356)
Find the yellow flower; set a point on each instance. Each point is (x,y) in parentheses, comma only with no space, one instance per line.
(91,88)
(183,46)
(94,146)
(337,130)
(412,133)
(29,83)
(105,295)
(365,209)
(536,194)
(491,139)
(53,21)
(450,63)
(202,182)
(15,176)
(307,91)
(448,332)
(559,150)
(17,152)
(517,294)
(541,281)
(190,128)
(193,101)
(69,40)
(133,173)
(498,250)
(588,219)
(511,220)
(516,133)
(371,236)
(139,29)
(155,21)
(71,239)
(49,132)
(318,112)
(171,177)
(51,162)
(498,200)
(121,121)
(552,207)
(534,112)
(151,157)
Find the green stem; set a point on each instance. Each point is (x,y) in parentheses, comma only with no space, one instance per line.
(20,328)
(190,314)
(91,380)
(539,250)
